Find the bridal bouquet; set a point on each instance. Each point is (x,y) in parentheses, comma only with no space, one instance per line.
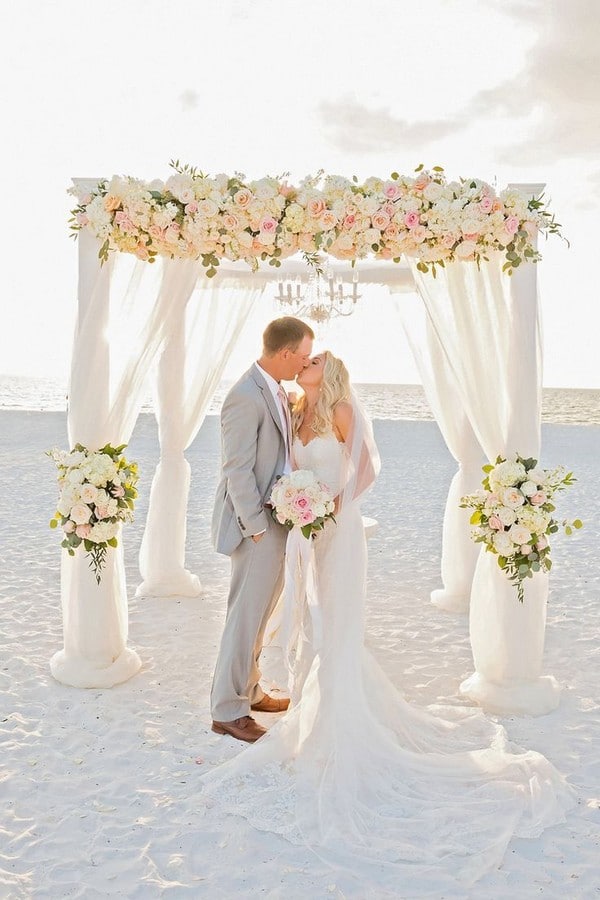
(97,493)
(299,499)
(513,515)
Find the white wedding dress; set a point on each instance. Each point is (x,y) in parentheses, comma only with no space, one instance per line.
(368,781)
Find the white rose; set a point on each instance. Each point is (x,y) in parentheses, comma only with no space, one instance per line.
(75,458)
(503,544)
(75,476)
(433,191)
(80,514)
(519,534)
(465,249)
(506,515)
(88,493)
(529,488)
(513,497)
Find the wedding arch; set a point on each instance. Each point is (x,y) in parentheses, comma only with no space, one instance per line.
(168,274)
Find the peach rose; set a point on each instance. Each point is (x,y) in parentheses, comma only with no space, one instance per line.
(111,202)
(315,206)
(242,198)
(83,531)
(380,220)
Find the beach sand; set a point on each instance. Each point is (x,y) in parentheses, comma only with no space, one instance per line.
(99,787)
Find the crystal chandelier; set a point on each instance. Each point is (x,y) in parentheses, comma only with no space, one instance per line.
(320,297)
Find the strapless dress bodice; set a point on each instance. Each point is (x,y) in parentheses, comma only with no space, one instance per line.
(322,455)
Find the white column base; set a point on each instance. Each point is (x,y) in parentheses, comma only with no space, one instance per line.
(180,583)
(453,603)
(83,673)
(526,698)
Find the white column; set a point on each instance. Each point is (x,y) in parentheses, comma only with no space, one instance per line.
(95,617)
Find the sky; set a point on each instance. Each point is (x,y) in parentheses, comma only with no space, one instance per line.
(503,90)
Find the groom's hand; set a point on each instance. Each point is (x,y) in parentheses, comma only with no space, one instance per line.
(256,537)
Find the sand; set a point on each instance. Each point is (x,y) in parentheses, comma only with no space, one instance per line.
(99,787)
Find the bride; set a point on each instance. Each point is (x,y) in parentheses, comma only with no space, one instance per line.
(368,781)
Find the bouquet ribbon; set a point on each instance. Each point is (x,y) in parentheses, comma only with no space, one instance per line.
(299,599)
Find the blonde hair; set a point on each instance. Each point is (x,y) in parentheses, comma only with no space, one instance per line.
(335,387)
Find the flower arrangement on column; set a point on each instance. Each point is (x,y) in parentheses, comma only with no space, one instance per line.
(513,515)
(97,494)
(193,215)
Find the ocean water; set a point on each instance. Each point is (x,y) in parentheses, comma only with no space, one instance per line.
(383,401)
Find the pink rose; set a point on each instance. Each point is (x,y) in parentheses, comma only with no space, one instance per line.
(421,182)
(511,225)
(191,208)
(495,523)
(118,490)
(81,219)
(83,531)
(391,190)
(306,517)
(124,222)
(485,204)
(412,219)
(389,208)
(69,527)
(101,512)
(538,498)
(391,232)
(315,206)
(541,544)
(349,221)
(525,549)
(268,225)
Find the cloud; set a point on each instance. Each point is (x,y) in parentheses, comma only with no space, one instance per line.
(559,85)
(554,98)
(351,125)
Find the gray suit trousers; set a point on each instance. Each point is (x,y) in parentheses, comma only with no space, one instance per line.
(256,583)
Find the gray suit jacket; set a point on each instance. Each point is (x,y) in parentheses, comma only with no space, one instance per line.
(253,457)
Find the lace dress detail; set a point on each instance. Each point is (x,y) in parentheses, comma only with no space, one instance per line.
(366,780)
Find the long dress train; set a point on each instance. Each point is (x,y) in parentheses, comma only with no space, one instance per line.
(367,780)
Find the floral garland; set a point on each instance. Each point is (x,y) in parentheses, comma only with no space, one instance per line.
(513,515)
(196,216)
(97,493)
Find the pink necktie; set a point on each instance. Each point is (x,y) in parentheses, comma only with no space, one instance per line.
(283,397)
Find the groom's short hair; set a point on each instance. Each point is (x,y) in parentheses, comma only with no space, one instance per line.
(285,332)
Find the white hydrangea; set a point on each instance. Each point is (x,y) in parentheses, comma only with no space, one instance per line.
(506,474)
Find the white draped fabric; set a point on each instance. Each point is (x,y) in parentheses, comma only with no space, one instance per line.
(115,342)
(489,327)
(459,553)
(203,325)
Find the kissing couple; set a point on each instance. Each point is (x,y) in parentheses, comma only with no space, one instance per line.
(350,769)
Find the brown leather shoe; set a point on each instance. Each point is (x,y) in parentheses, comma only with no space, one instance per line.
(271,704)
(244,729)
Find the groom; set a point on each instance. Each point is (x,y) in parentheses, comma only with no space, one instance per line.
(255,446)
